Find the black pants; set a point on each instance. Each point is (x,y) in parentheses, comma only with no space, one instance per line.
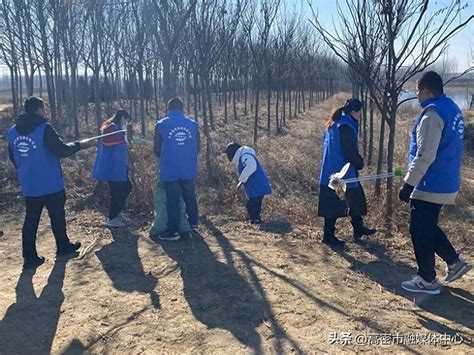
(428,238)
(119,191)
(54,203)
(254,208)
(173,190)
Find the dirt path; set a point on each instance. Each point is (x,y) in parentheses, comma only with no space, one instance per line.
(231,288)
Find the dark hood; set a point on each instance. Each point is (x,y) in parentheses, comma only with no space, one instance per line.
(27,122)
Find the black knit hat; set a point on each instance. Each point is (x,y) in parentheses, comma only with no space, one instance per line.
(33,103)
(352,105)
(231,149)
(175,104)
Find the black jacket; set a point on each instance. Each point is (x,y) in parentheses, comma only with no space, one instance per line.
(349,147)
(27,123)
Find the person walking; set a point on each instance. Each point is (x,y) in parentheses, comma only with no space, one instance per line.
(340,148)
(433,180)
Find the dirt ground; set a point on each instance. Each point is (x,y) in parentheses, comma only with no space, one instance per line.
(229,288)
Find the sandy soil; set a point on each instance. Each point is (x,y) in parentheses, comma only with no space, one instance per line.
(230,288)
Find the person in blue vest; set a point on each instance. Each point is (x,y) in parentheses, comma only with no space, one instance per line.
(35,149)
(433,180)
(111,165)
(340,148)
(176,144)
(252,176)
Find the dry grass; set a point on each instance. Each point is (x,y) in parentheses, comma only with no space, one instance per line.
(232,287)
(292,160)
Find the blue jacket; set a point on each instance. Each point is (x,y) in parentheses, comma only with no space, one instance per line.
(333,158)
(257,184)
(444,174)
(179,147)
(111,163)
(39,171)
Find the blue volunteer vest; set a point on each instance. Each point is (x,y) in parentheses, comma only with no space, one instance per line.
(257,184)
(178,160)
(444,174)
(39,170)
(333,158)
(111,163)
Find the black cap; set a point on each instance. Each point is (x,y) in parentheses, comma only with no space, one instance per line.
(352,105)
(231,149)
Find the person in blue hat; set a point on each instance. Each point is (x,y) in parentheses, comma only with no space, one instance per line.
(433,180)
(252,175)
(35,148)
(111,165)
(340,148)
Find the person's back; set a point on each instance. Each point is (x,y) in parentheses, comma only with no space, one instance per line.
(179,148)
(35,149)
(176,145)
(39,170)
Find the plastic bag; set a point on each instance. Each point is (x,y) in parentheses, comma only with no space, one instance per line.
(160,224)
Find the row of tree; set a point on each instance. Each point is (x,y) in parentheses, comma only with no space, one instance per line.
(146,51)
(243,55)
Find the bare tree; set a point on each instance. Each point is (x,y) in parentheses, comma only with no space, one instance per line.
(402,38)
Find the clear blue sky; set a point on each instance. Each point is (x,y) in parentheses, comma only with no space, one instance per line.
(460,46)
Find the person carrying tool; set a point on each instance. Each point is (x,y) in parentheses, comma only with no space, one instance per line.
(35,149)
(111,165)
(340,148)
(252,175)
(176,144)
(433,180)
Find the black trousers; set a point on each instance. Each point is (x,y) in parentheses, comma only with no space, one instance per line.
(330,225)
(119,191)
(54,203)
(428,238)
(254,208)
(173,191)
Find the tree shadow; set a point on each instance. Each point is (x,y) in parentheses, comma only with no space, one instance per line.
(217,294)
(122,264)
(453,304)
(279,332)
(30,324)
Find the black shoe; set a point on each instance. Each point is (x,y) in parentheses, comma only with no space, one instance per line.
(333,242)
(256,221)
(68,249)
(364,231)
(33,263)
(169,236)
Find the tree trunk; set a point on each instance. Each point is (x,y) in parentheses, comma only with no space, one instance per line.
(234,99)
(269,99)
(390,156)
(141,90)
(378,183)
(371,134)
